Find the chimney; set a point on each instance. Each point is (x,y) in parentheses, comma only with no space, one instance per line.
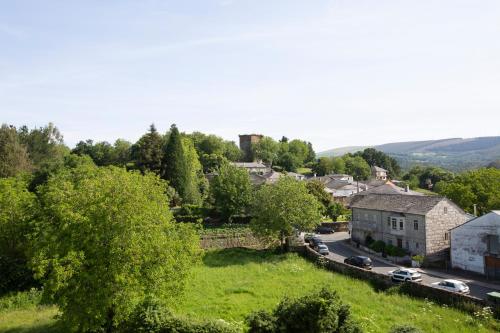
(407,188)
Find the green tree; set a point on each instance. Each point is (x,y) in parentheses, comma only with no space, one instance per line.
(338,164)
(266,150)
(317,188)
(378,158)
(197,185)
(14,155)
(105,241)
(336,209)
(427,177)
(231,191)
(147,152)
(44,145)
(357,167)
(283,206)
(300,150)
(17,210)
(175,167)
(480,187)
(323,166)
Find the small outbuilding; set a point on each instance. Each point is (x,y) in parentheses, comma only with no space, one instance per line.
(475,245)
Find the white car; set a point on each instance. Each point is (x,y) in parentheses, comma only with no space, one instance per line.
(405,274)
(452,285)
(322,249)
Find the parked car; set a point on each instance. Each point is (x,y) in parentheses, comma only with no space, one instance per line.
(322,249)
(324,230)
(308,237)
(452,285)
(315,241)
(405,274)
(359,261)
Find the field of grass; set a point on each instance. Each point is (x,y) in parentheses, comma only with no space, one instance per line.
(229,284)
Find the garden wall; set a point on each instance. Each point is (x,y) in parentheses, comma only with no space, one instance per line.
(230,241)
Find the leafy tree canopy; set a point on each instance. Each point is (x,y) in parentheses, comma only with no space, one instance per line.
(105,240)
(380,159)
(231,190)
(283,206)
(357,167)
(480,187)
(14,155)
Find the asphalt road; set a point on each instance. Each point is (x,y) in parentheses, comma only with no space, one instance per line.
(339,251)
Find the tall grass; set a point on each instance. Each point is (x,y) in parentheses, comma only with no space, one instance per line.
(230,284)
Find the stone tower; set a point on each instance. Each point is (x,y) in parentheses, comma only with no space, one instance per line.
(246,141)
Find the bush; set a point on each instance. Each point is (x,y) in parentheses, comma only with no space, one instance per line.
(369,240)
(261,322)
(378,246)
(153,317)
(394,251)
(317,312)
(404,329)
(21,300)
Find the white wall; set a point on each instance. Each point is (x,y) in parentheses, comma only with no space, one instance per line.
(469,242)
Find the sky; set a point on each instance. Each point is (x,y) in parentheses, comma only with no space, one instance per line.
(335,73)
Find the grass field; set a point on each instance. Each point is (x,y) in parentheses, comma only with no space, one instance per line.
(231,283)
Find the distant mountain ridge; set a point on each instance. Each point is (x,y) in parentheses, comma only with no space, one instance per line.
(456,154)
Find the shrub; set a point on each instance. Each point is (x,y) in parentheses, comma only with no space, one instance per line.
(317,312)
(153,317)
(394,251)
(21,300)
(378,246)
(369,240)
(404,329)
(261,322)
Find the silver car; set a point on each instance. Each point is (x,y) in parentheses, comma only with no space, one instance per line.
(322,249)
(405,274)
(452,285)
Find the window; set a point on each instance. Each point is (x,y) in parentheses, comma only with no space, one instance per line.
(493,244)
(394,223)
(400,224)
(415,225)
(407,245)
(446,236)
(416,245)
(388,221)
(446,210)
(389,241)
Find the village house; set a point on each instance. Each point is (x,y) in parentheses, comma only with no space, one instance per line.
(253,167)
(418,223)
(475,245)
(379,173)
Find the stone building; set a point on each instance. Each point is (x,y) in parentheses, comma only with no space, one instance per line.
(246,141)
(379,173)
(416,223)
(475,245)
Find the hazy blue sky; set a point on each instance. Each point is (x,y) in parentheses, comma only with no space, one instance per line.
(335,73)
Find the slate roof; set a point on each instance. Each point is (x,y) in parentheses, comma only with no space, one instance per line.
(379,169)
(411,204)
(390,188)
(249,165)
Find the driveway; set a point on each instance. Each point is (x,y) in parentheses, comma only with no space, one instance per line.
(339,251)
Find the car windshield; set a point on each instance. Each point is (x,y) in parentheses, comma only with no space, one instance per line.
(367,261)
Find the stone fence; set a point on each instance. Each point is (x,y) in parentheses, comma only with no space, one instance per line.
(231,240)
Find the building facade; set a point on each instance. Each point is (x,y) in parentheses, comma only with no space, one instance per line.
(475,245)
(418,224)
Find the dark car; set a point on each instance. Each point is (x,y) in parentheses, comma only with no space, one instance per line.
(308,237)
(359,261)
(324,230)
(315,241)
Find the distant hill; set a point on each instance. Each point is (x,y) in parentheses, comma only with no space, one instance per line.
(456,154)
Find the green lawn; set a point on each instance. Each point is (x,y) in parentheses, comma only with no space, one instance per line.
(231,283)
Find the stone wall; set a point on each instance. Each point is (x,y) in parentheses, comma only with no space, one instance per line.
(230,241)
(438,226)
